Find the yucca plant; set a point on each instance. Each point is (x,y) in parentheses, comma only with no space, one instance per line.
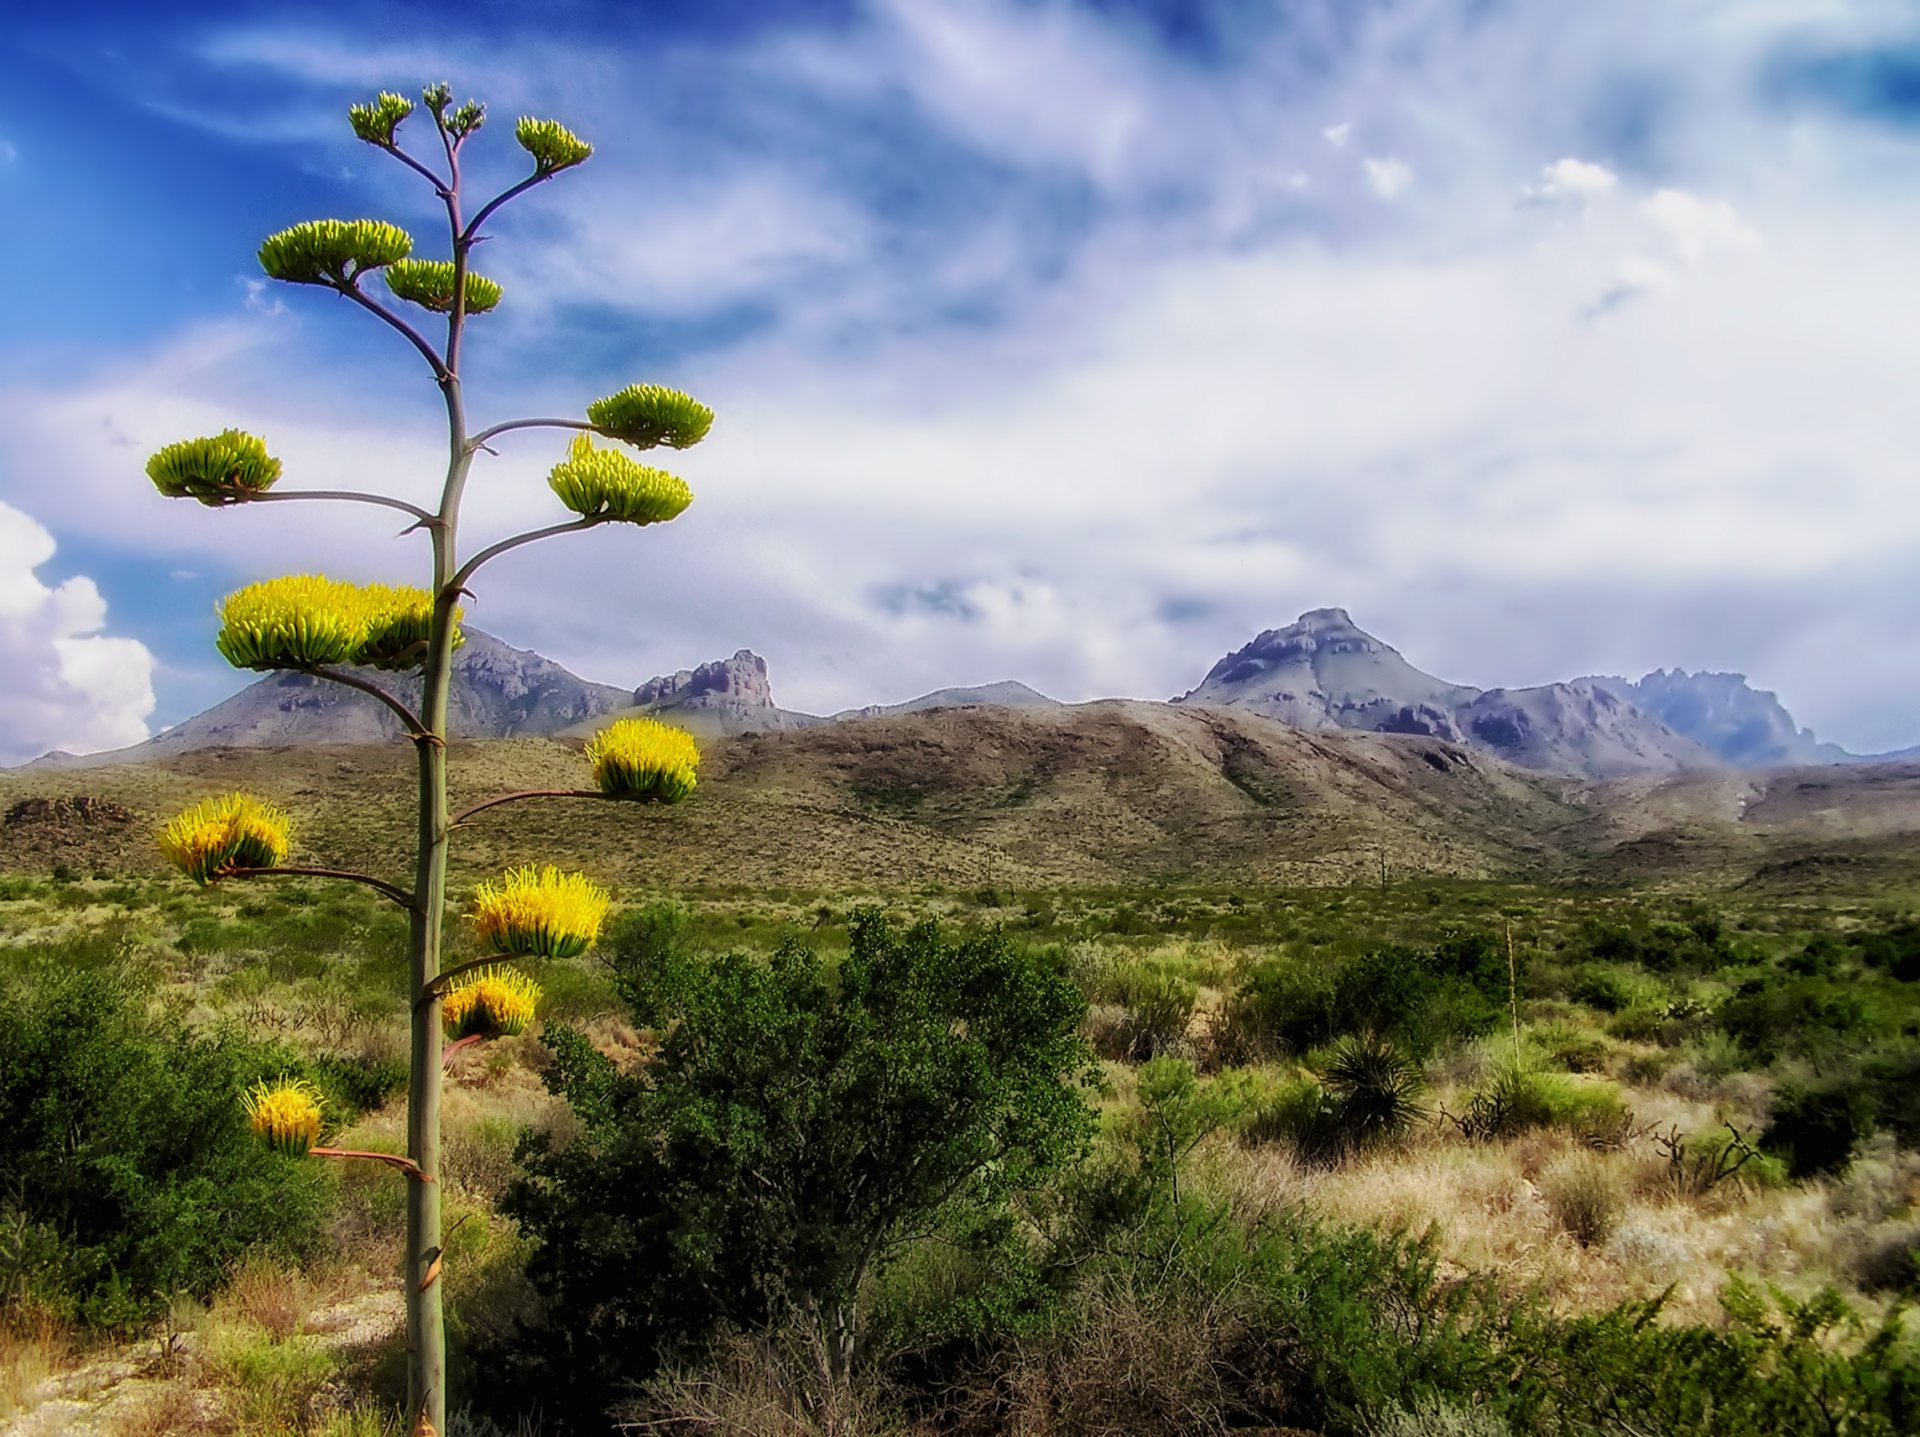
(336,631)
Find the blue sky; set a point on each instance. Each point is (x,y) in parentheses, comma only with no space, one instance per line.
(1067,342)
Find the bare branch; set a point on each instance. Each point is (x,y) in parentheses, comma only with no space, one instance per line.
(467,813)
(444,980)
(406,1165)
(346,494)
(479,440)
(493,551)
(439,185)
(472,230)
(413,336)
(415,729)
(398,895)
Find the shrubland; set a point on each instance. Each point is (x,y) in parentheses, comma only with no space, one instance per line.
(1335,1160)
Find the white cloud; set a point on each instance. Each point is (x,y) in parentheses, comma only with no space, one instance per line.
(1337,135)
(1695,228)
(1570,181)
(68,685)
(1388,177)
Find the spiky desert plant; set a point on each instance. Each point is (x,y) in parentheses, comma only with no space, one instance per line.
(338,631)
(286,1115)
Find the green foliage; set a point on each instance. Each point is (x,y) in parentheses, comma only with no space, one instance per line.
(1419,998)
(1774,1015)
(798,1122)
(225,468)
(126,1151)
(1178,1110)
(1519,1096)
(1376,1090)
(332,252)
(429,284)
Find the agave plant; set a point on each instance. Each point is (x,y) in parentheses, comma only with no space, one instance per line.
(349,633)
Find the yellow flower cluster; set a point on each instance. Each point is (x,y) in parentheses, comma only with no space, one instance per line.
(489,1003)
(332,252)
(285,1115)
(645,415)
(552,145)
(606,484)
(540,913)
(645,759)
(235,831)
(222,468)
(308,620)
(429,284)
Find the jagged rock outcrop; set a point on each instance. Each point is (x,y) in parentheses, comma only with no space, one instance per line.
(1744,726)
(726,696)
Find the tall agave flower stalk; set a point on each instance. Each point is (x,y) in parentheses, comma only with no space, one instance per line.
(335,631)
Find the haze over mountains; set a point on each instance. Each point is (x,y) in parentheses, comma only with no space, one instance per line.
(1321,672)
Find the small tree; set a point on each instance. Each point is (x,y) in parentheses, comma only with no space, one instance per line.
(800,1120)
(340,632)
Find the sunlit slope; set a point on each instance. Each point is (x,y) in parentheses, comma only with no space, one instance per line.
(1108,793)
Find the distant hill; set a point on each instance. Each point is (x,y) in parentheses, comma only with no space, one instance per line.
(1323,671)
(1110,793)
(1007,693)
(1742,725)
(498,692)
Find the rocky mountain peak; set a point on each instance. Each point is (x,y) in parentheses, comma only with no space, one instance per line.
(740,681)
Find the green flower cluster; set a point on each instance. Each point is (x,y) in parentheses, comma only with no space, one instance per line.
(606,484)
(646,415)
(376,121)
(333,252)
(225,468)
(553,146)
(429,284)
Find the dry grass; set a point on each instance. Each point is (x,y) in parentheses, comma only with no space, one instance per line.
(33,1347)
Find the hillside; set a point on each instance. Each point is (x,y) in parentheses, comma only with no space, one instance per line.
(1115,792)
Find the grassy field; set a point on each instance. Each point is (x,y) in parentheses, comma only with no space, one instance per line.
(1640,1020)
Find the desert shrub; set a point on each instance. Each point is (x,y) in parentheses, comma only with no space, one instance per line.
(1771,1016)
(1816,1126)
(1420,999)
(1586,1197)
(1895,949)
(127,1152)
(1520,1096)
(1892,1075)
(1602,988)
(798,1122)
(1158,1005)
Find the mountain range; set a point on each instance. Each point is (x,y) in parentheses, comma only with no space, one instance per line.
(1322,672)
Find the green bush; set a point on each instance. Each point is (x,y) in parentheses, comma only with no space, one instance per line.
(1817,1126)
(126,1149)
(1772,1016)
(798,1123)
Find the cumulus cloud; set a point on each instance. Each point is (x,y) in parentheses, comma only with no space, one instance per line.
(69,686)
(1337,135)
(1695,228)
